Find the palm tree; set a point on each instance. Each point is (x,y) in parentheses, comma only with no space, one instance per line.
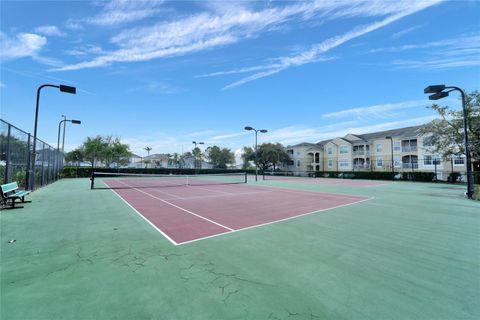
(148,149)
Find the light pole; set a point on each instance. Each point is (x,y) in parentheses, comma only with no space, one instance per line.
(439,93)
(391,148)
(58,139)
(256,147)
(62,88)
(195,158)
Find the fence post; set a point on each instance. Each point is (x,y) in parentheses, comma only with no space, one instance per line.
(451,173)
(7,160)
(435,161)
(42,179)
(29,165)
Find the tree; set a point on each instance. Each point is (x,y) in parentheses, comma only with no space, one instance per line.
(175,158)
(197,153)
(247,156)
(446,134)
(107,150)
(220,158)
(269,155)
(93,148)
(75,156)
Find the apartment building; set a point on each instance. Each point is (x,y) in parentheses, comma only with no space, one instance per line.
(405,149)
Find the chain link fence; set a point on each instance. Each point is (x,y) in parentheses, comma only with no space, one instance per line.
(16,158)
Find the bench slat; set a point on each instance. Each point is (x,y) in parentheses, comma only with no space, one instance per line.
(9,187)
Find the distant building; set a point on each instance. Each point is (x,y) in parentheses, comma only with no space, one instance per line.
(373,151)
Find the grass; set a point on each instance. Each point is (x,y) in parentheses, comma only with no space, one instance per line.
(411,253)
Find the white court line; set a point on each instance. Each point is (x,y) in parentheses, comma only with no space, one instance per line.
(222,195)
(206,189)
(276,221)
(178,207)
(149,222)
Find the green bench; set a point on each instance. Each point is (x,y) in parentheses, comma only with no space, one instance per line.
(10,194)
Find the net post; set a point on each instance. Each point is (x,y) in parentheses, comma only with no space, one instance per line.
(92,178)
(246,177)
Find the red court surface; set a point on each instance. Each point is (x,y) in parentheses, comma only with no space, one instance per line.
(184,214)
(330,181)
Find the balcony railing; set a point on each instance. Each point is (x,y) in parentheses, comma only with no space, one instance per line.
(409,148)
(358,152)
(410,165)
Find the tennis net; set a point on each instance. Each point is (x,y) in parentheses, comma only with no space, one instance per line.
(287,175)
(113,180)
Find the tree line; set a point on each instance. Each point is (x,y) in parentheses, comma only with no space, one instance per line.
(109,151)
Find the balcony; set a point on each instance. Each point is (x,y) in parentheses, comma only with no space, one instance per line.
(410,165)
(358,152)
(409,148)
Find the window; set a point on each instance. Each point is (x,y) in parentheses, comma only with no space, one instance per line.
(298,163)
(427,160)
(379,162)
(330,163)
(459,159)
(329,150)
(342,163)
(343,149)
(379,148)
(430,160)
(397,146)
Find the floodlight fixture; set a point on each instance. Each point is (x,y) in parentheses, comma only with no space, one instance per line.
(434,88)
(438,95)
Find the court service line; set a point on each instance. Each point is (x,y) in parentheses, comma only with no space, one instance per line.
(178,207)
(276,221)
(222,195)
(144,218)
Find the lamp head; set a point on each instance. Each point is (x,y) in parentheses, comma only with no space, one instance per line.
(434,88)
(201,143)
(438,95)
(194,142)
(76,121)
(263,131)
(68,89)
(248,128)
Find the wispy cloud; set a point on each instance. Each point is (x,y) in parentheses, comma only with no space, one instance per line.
(463,51)
(123,11)
(376,111)
(403,32)
(157,87)
(21,45)
(316,50)
(49,30)
(231,24)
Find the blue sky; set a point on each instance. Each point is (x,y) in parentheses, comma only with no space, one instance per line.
(161,74)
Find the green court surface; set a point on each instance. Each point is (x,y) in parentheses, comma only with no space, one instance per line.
(412,252)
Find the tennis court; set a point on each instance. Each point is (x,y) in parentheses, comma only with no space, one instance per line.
(190,208)
(407,251)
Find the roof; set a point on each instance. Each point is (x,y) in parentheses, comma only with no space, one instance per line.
(406,132)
